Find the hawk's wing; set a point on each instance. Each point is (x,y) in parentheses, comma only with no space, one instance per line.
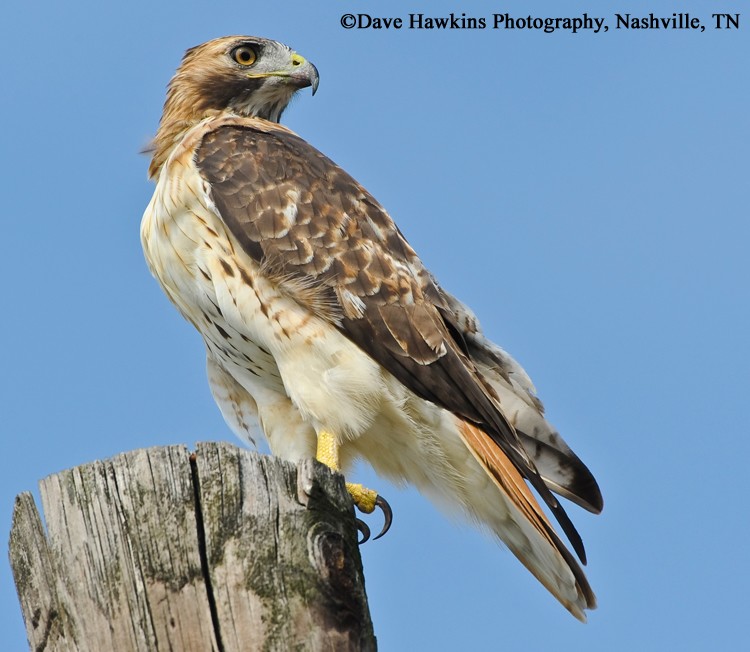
(562,470)
(303,218)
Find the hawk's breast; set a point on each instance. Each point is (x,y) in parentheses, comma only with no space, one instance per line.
(215,287)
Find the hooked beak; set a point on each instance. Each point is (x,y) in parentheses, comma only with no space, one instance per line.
(301,73)
(305,72)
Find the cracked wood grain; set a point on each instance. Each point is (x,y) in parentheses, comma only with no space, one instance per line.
(160,550)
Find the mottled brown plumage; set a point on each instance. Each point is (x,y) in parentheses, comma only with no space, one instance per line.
(320,224)
(318,316)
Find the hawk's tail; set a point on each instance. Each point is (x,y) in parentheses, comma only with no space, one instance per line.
(524,528)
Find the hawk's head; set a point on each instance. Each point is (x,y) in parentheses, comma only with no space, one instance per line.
(246,75)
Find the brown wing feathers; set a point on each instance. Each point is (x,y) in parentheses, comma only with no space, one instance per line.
(293,209)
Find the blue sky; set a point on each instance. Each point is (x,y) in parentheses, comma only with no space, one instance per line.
(586,194)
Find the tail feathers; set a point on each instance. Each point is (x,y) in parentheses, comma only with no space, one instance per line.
(525,528)
(563,471)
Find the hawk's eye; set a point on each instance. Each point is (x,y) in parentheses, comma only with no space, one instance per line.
(244,55)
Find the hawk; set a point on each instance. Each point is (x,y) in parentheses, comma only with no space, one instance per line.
(324,330)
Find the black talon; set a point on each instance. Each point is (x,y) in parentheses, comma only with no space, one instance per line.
(364,531)
(387,513)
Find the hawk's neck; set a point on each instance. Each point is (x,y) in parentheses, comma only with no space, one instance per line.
(172,129)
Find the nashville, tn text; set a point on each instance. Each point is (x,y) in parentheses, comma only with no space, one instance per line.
(548,25)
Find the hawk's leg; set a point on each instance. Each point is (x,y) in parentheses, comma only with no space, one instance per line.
(365,499)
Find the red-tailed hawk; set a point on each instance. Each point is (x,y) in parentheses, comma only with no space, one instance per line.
(323,327)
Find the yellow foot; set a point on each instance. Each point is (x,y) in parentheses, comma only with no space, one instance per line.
(365,499)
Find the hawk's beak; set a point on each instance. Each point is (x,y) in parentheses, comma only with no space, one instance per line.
(304,71)
(301,73)
(314,79)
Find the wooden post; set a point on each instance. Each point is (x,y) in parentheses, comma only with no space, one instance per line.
(222,550)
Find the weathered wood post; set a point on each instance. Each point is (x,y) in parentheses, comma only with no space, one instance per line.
(222,550)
